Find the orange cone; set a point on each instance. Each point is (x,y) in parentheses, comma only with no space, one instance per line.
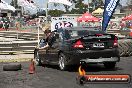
(32,67)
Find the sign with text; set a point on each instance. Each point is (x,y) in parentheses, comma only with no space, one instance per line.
(61,22)
(110,6)
(104,78)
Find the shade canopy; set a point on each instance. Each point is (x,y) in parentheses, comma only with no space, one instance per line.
(98,11)
(3,7)
(87,17)
(127,18)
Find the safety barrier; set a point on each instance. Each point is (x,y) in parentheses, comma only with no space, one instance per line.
(12,42)
(125,47)
(27,41)
(17,47)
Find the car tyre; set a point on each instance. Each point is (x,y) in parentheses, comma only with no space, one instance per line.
(37,60)
(62,62)
(12,67)
(110,65)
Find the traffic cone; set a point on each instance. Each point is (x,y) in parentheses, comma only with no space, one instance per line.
(32,67)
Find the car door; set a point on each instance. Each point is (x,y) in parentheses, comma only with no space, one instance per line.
(43,55)
(52,52)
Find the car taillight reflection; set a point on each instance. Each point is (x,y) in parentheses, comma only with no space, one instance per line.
(78,44)
(99,34)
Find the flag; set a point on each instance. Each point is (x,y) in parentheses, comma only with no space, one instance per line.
(32,4)
(23,3)
(110,6)
(27,4)
(65,2)
(31,7)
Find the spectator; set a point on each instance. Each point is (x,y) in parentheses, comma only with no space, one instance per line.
(17,24)
(6,23)
(49,38)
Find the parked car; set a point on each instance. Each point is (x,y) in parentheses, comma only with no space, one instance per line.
(80,44)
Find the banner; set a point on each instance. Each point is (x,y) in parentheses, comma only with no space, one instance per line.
(65,2)
(61,22)
(27,4)
(110,6)
(23,3)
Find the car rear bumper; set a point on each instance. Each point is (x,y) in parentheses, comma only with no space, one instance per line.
(93,56)
(100,60)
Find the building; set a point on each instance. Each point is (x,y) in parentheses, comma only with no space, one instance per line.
(8,13)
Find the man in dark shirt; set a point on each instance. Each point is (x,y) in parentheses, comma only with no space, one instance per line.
(49,39)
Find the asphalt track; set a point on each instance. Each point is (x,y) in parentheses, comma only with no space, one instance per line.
(16,57)
(52,77)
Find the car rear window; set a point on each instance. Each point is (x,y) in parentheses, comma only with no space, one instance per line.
(79,33)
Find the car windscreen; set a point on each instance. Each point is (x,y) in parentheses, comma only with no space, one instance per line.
(80,33)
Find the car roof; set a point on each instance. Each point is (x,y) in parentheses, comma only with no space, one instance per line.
(82,28)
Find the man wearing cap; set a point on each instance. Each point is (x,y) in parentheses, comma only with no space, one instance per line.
(49,38)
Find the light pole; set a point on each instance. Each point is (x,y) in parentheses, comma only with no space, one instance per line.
(88,6)
(38,23)
(46,12)
(17,19)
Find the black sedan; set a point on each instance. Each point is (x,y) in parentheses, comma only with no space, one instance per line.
(79,44)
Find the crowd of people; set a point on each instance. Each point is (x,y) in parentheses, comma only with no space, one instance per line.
(4,22)
(16,22)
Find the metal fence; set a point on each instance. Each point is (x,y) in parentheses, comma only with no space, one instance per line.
(17,23)
(21,36)
(24,39)
(24,43)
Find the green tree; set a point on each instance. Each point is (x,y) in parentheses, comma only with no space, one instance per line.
(80,7)
(66,6)
(55,13)
(97,3)
(14,3)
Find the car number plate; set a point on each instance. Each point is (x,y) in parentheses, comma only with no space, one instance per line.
(98,45)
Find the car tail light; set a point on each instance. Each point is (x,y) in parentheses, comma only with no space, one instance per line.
(99,34)
(78,44)
(115,41)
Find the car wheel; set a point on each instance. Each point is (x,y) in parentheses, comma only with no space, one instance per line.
(110,65)
(37,60)
(62,62)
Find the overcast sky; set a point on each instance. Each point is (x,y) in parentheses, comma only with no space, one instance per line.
(42,3)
